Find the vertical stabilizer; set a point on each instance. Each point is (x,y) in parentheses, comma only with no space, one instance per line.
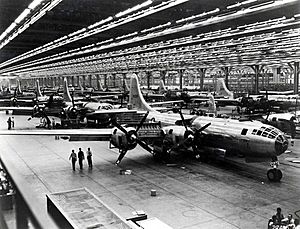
(136,99)
(162,88)
(67,97)
(212,108)
(99,86)
(38,89)
(126,88)
(1,88)
(19,90)
(222,89)
(81,88)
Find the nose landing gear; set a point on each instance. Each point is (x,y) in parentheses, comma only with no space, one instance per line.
(274,174)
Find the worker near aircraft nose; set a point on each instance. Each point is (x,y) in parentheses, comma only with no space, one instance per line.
(80,157)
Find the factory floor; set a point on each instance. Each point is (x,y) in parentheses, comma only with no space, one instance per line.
(189,194)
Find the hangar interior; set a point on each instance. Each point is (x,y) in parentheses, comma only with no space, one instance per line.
(252,44)
(188,45)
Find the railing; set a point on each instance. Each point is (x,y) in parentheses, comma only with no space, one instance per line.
(28,209)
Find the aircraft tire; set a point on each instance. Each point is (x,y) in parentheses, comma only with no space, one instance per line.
(274,175)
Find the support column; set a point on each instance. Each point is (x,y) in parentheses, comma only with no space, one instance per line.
(114,79)
(148,74)
(83,81)
(256,69)
(163,75)
(226,71)
(202,75)
(73,81)
(296,77)
(105,80)
(180,72)
(90,80)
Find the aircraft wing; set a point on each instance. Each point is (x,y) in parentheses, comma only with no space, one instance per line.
(219,101)
(16,108)
(101,113)
(100,134)
(166,102)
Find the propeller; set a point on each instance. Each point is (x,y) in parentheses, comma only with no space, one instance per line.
(189,136)
(132,137)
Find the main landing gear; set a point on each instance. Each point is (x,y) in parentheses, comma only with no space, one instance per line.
(274,174)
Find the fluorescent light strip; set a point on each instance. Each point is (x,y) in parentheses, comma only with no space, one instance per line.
(59,56)
(27,23)
(160,7)
(176,52)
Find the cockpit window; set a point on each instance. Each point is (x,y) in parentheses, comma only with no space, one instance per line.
(265,134)
(244,131)
(254,131)
(268,132)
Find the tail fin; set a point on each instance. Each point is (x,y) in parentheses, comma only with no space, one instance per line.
(38,89)
(67,97)
(162,88)
(80,86)
(136,99)
(1,88)
(99,86)
(19,87)
(126,88)
(212,108)
(222,89)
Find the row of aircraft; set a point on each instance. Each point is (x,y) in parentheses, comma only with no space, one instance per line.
(202,136)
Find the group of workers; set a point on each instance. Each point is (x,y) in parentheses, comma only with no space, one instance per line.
(73,158)
(278,221)
(5,184)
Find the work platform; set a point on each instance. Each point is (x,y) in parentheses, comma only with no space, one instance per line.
(190,194)
(80,208)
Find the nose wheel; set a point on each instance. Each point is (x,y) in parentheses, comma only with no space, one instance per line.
(274,175)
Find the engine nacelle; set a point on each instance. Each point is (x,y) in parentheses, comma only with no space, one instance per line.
(122,141)
(174,135)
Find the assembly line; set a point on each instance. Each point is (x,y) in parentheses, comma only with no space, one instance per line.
(149,114)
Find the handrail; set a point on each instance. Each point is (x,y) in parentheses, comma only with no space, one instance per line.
(27,206)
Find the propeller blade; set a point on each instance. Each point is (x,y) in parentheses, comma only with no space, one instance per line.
(182,118)
(72,97)
(122,154)
(142,121)
(119,126)
(144,145)
(204,127)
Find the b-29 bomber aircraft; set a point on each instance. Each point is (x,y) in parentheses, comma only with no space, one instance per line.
(204,136)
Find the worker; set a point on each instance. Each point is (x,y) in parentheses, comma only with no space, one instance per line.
(80,157)
(73,157)
(9,122)
(89,157)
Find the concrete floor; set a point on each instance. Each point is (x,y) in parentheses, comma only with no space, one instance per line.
(190,194)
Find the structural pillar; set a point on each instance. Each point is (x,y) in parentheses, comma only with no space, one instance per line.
(105,80)
(73,80)
(114,79)
(83,81)
(226,71)
(180,72)
(296,77)
(163,75)
(202,75)
(256,79)
(90,80)
(148,74)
